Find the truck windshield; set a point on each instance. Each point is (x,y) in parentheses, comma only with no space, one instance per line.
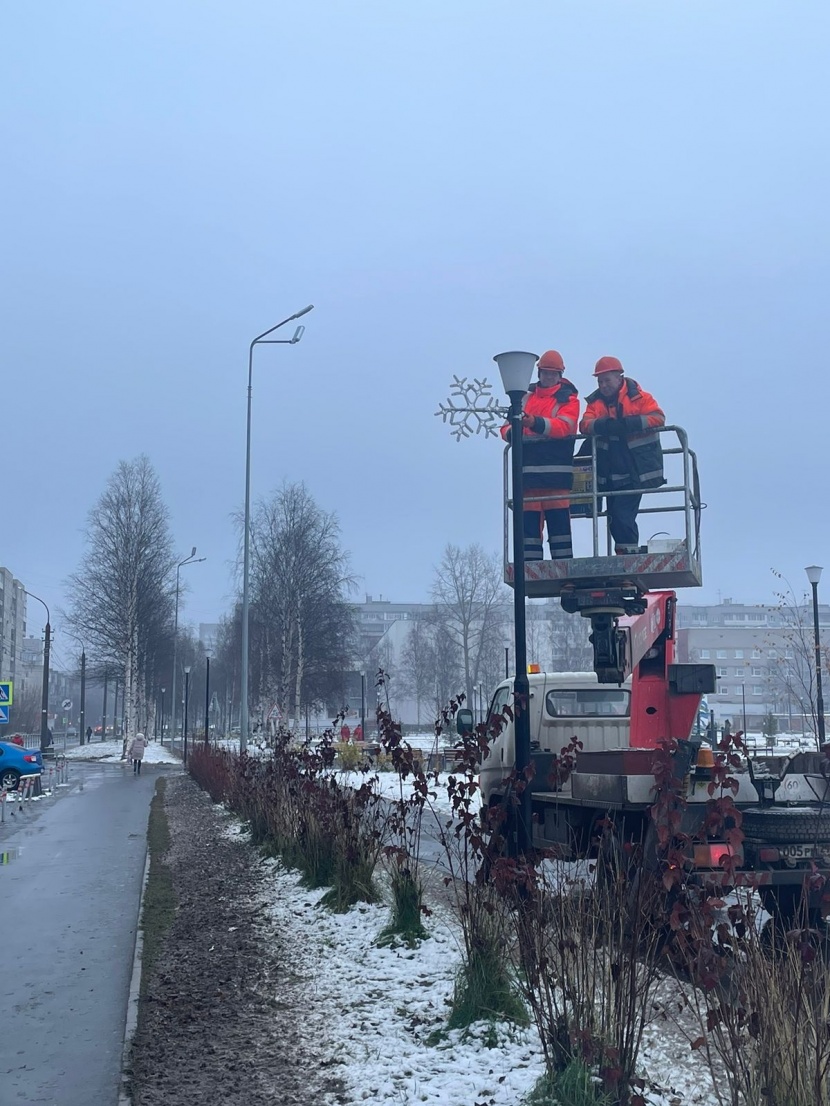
(588,702)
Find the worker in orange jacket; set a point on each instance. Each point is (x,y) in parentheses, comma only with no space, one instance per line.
(622,418)
(549,419)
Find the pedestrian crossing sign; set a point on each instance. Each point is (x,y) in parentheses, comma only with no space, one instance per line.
(4,715)
(6,693)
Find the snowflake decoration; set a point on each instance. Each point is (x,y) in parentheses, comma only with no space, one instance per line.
(478,410)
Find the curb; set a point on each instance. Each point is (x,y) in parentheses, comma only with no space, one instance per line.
(124,1097)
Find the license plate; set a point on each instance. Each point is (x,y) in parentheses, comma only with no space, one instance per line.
(798,852)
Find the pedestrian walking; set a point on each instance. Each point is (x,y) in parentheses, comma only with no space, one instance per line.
(88,734)
(550,415)
(623,419)
(137,752)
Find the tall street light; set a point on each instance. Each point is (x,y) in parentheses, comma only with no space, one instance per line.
(516,369)
(191,560)
(44,695)
(186,702)
(162,714)
(814,575)
(264,340)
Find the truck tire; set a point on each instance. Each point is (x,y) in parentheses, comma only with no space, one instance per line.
(786,824)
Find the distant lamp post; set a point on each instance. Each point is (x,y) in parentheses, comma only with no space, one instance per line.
(207,698)
(814,575)
(263,340)
(516,369)
(186,701)
(161,720)
(82,716)
(363,707)
(44,693)
(191,560)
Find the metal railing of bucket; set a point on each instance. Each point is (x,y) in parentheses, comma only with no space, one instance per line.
(689,489)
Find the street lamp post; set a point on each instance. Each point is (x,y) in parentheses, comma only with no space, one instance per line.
(814,575)
(82,716)
(186,701)
(363,706)
(516,369)
(261,339)
(191,560)
(207,697)
(162,714)
(44,693)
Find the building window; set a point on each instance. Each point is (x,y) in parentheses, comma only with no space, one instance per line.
(757,671)
(771,653)
(757,689)
(722,690)
(723,672)
(739,654)
(704,654)
(721,654)
(756,654)
(788,654)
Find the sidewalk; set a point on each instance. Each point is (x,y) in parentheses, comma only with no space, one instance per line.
(70,899)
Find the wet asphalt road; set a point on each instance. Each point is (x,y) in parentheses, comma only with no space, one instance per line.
(70,887)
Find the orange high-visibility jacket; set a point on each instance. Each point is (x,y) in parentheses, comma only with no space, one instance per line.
(547,458)
(633,457)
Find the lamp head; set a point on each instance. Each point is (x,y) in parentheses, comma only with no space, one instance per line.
(298,333)
(187,670)
(813,573)
(516,368)
(304,311)
(193,551)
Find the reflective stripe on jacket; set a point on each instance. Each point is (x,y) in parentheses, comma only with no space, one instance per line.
(633,458)
(547,457)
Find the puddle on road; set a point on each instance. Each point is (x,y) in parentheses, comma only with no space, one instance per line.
(8,855)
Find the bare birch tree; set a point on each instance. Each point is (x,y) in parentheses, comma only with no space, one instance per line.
(302,622)
(471,604)
(121,597)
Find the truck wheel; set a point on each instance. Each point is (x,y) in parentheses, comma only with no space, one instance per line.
(786,825)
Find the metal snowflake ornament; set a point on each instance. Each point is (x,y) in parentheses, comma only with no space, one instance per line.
(478,411)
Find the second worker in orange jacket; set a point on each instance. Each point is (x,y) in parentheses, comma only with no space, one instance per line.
(623,419)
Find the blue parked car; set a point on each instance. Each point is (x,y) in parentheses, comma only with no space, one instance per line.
(15,762)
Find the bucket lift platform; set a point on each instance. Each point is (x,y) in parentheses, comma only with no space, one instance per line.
(671,569)
(666,563)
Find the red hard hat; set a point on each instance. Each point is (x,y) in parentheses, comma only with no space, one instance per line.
(551,360)
(608,365)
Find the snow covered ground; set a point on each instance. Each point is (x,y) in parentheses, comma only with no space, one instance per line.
(381,1029)
(154,753)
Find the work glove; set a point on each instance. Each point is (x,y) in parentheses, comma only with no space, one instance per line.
(603,428)
(533,423)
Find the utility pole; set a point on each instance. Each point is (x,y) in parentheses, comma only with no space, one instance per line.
(82,726)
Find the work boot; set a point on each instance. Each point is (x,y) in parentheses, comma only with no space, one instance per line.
(625,550)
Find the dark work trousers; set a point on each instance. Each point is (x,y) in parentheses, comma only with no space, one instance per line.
(622,521)
(558,522)
(137,767)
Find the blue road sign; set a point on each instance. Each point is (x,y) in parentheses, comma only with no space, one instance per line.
(4,716)
(6,692)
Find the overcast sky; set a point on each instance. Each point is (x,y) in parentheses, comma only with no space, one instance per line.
(442,180)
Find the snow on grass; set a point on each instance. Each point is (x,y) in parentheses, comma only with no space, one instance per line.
(381,1012)
(382,1004)
(154,752)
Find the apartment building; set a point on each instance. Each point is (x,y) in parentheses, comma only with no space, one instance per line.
(12,624)
(764,659)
